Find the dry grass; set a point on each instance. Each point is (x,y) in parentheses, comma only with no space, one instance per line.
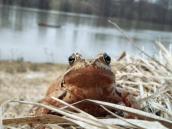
(30,85)
(150,79)
(23,67)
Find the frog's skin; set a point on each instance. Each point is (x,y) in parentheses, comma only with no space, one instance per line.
(86,79)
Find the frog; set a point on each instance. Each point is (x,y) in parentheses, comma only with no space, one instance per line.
(86,79)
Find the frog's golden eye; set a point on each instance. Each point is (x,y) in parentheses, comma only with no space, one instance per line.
(71,59)
(74,57)
(107,58)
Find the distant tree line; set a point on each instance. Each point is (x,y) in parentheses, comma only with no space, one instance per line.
(158,12)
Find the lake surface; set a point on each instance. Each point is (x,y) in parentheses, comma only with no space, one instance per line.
(22,37)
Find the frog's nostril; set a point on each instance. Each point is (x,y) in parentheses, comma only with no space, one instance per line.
(89,61)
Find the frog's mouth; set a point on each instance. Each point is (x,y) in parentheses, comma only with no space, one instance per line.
(89,76)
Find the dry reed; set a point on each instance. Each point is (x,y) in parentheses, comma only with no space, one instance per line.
(151,81)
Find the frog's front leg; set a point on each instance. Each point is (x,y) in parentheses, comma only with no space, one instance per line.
(124,97)
(128,97)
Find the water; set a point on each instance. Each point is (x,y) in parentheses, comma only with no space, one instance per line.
(22,37)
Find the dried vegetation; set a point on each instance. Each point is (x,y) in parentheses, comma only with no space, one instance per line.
(151,79)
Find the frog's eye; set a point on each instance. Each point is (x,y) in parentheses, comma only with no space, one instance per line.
(71,59)
(106,58)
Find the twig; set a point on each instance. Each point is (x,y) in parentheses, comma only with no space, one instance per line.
(122,56)
(131,41)
(74,108)
(146,124)
(1,112)
(119,117)
(67,114)
(139,113)
(44,119)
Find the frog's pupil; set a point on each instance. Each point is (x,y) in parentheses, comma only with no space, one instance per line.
(107,58)
(71,59)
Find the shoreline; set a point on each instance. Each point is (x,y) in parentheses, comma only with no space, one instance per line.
(25,66)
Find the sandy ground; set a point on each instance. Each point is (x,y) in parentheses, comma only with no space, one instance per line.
(26,81)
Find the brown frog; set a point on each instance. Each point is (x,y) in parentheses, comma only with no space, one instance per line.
(86,79)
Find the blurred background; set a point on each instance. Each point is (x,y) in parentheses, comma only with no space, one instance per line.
(37,37)
(50,30)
